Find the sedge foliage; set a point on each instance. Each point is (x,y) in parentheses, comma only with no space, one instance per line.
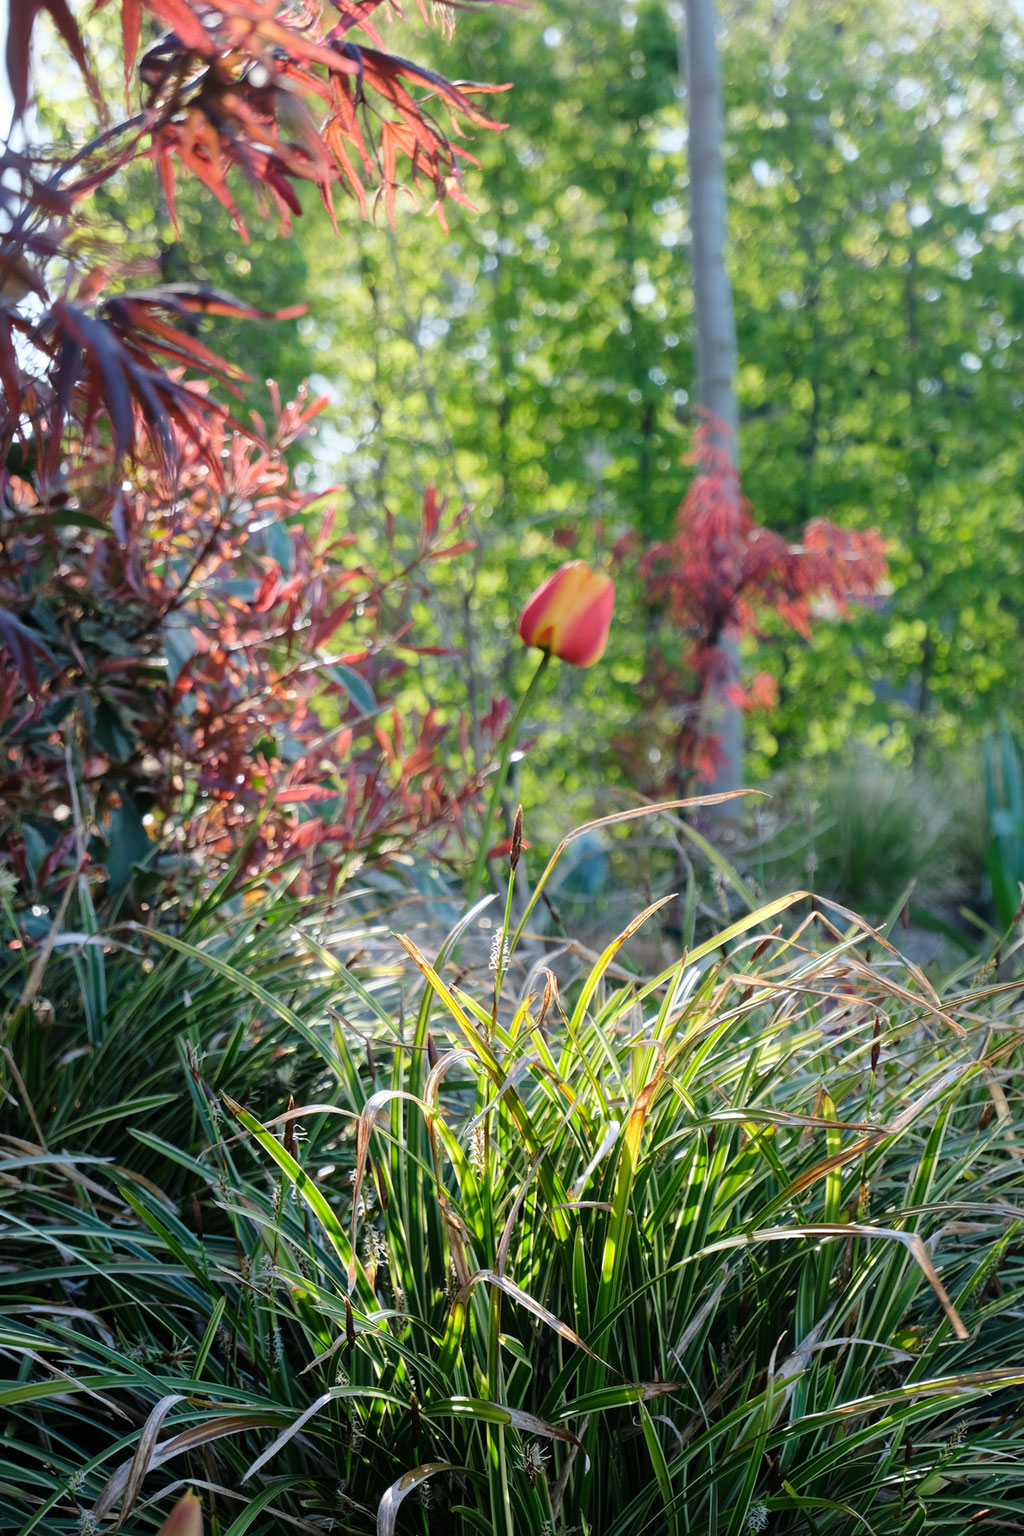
(732,1244)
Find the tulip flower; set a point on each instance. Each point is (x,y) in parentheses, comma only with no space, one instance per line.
(185,1519)
(570,614)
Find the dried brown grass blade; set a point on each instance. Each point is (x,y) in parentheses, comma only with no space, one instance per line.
(502,1283)
(188,1440)
(645,1098)
(140,1462)
(839,1159)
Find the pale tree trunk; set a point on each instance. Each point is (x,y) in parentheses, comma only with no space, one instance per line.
(715,323)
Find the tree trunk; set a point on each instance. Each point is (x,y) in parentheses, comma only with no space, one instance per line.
(715,326)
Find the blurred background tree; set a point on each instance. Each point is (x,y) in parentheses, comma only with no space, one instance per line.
(545,353)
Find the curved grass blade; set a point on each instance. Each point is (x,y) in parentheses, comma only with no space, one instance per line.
(387,1509)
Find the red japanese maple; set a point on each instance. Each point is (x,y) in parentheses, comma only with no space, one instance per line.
(240,90)
(715,579)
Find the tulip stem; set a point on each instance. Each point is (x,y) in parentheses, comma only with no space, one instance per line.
(500,780)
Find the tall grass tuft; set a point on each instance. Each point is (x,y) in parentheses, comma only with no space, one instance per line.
(876,831)
(732,1247)
(1004,795)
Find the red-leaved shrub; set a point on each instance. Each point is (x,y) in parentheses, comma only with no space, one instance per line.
(194,663)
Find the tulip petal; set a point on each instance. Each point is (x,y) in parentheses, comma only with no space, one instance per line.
(569,614)
(554,599)
(185,1519)
(585,636)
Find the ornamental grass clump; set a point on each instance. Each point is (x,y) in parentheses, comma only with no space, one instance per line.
(735,1242)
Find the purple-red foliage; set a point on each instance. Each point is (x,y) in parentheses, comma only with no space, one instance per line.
(187,651)
(240,90)
(198,686)
(717,577)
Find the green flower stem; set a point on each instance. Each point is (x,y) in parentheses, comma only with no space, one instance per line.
(500,780)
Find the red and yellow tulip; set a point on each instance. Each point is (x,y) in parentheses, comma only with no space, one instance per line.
(570,614)
(185,1519)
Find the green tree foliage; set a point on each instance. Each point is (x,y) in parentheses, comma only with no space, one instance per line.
(529,360)
(876,176)
(540,362)
(546,358)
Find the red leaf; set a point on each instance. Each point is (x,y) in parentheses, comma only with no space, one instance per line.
(356,13)
(302,793)
(23,645)
(187,298)
(331,622)
(266,596)
(131,27)
(22,19)
(182,20)
(384,743)
(60,851)
(431,513)
(307,835)
(10,374)
(419,759)
(503,849)
(453,549)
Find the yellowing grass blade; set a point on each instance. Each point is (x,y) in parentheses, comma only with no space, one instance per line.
(387,1509)
(608,955)
(458,1013)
